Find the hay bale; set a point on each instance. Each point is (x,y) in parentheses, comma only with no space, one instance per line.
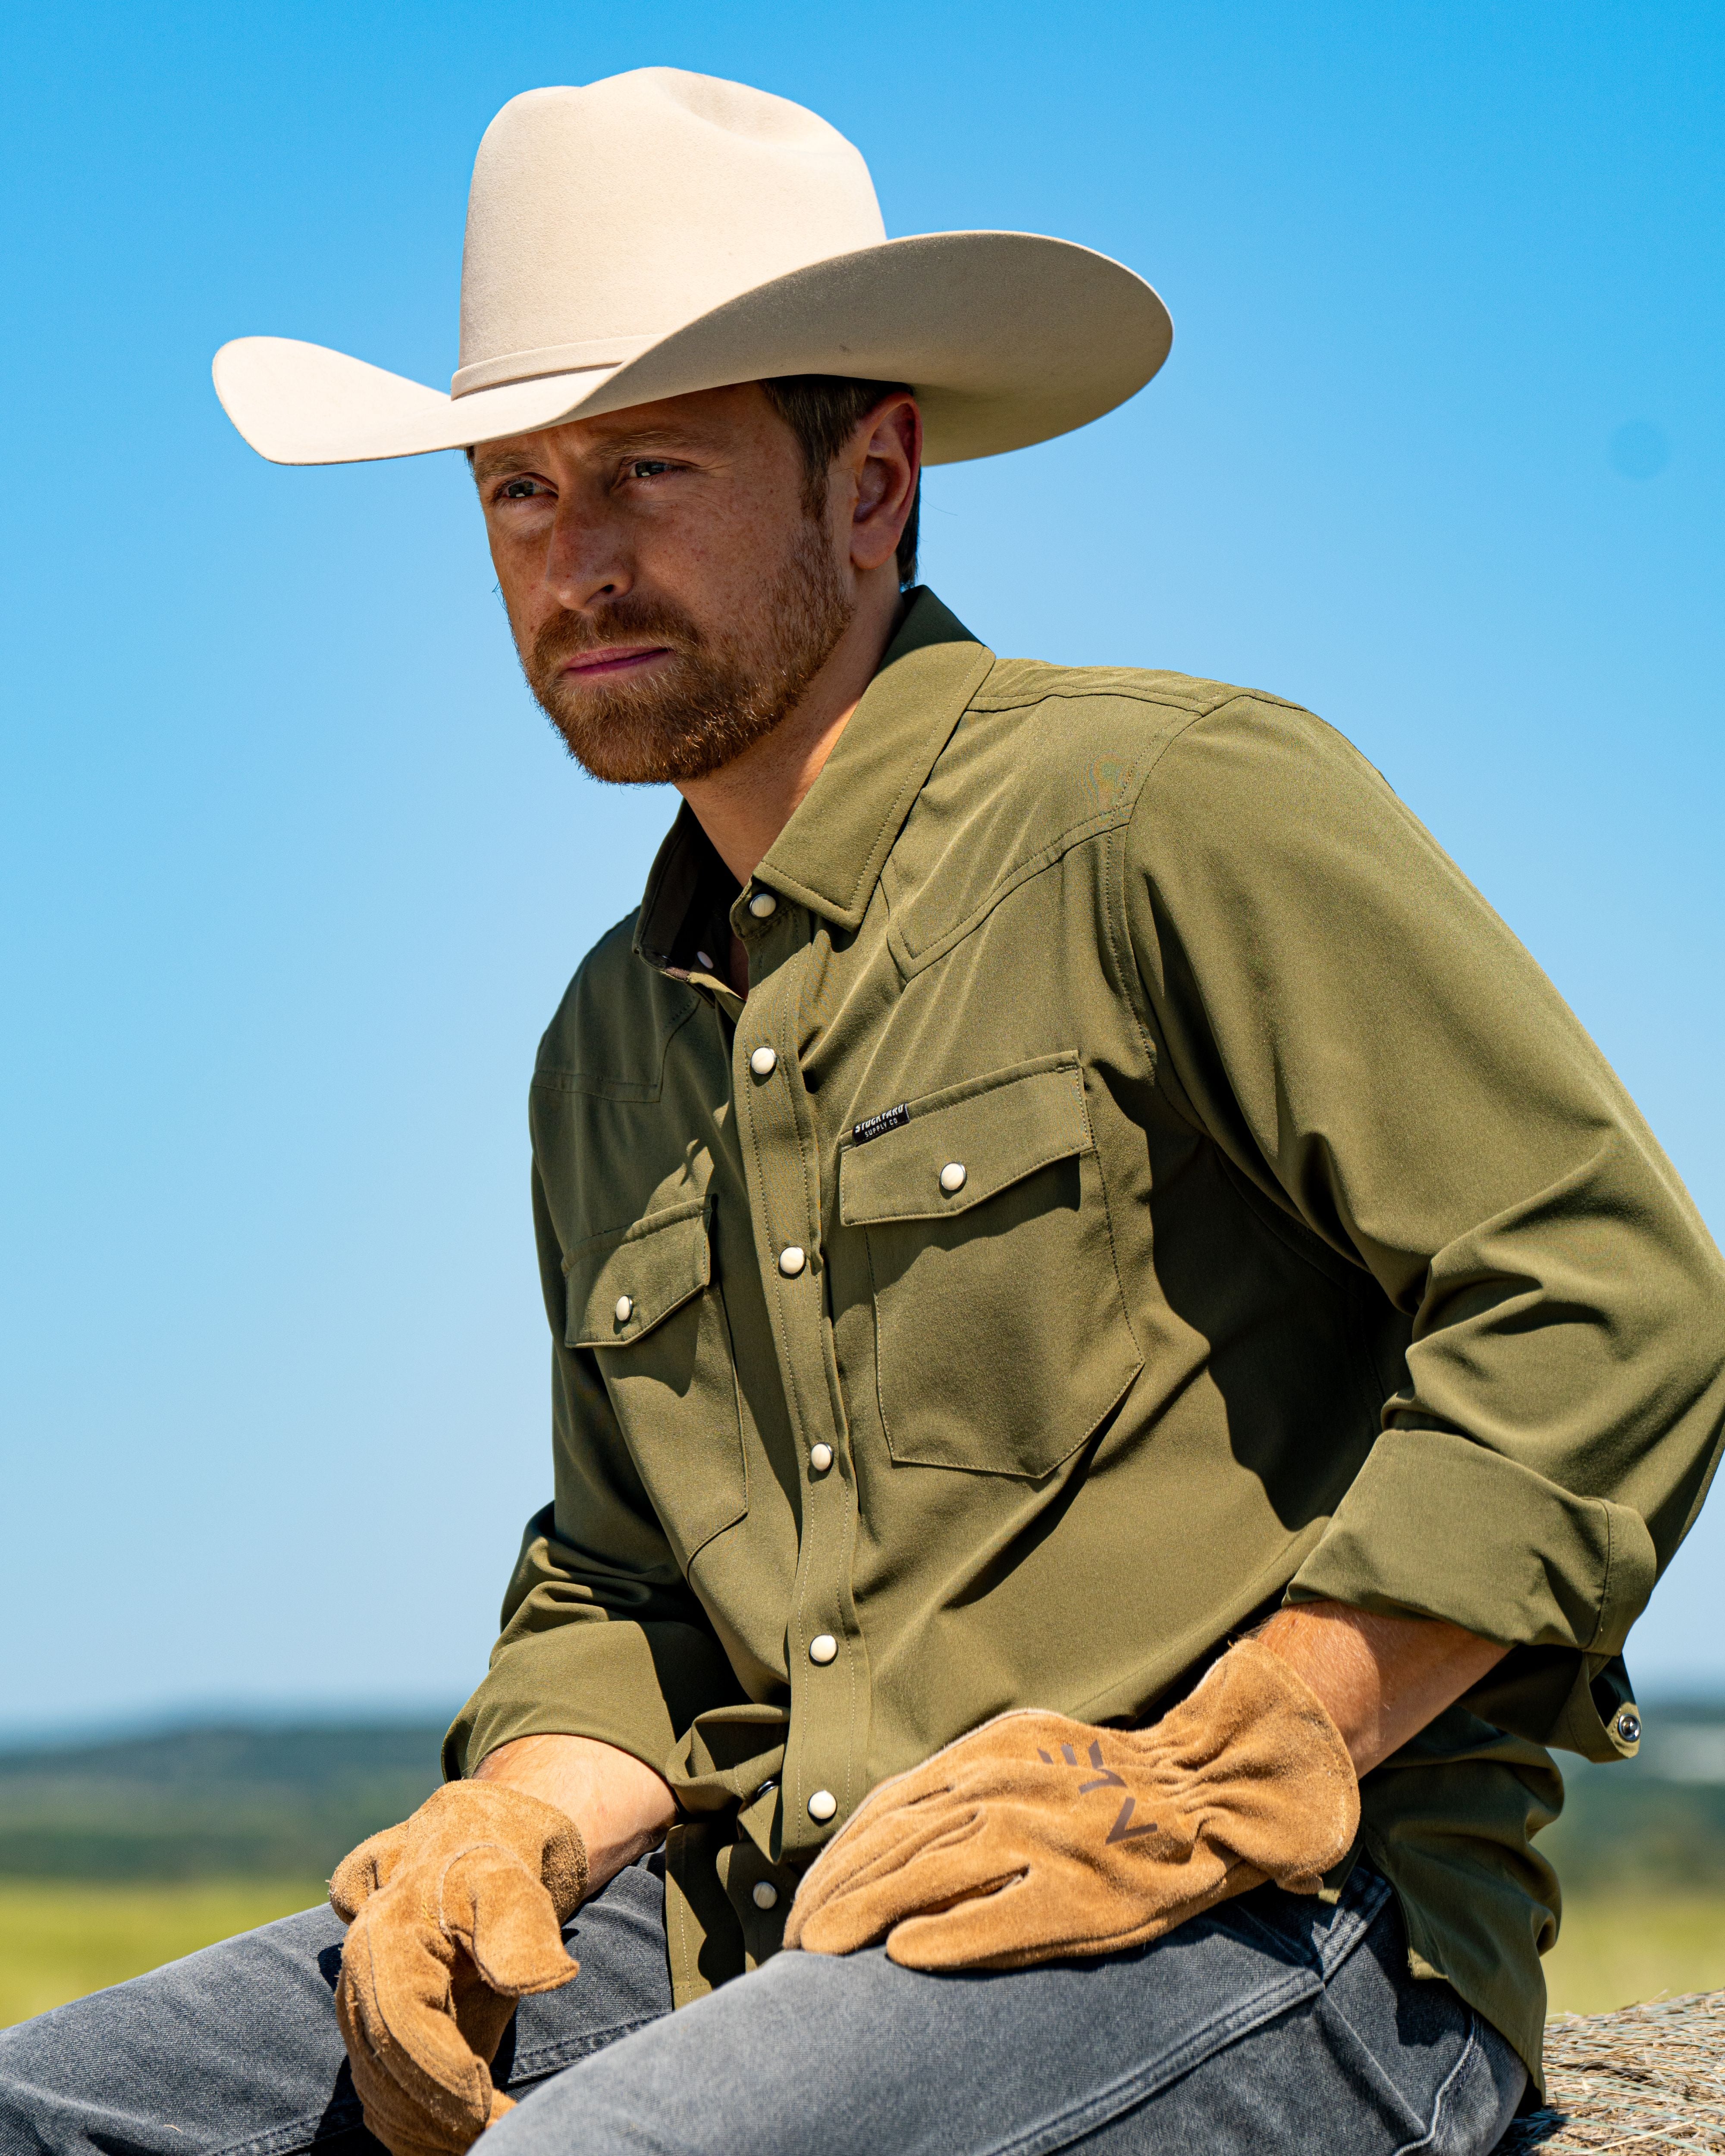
(1647,2081)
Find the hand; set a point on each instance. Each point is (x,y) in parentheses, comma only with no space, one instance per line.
(452,1917)
(1036,1837)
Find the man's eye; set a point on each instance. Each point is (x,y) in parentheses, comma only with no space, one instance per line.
(518,490)
(648,467)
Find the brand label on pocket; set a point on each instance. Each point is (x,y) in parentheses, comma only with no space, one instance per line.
(875,1127)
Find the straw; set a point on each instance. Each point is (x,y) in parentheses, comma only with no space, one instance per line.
(1647,2081)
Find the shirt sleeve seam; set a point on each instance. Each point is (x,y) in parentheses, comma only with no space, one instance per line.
(1604,1603)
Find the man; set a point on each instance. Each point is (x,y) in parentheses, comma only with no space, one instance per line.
(1122,1365)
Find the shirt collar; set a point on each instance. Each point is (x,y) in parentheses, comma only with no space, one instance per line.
(829,856)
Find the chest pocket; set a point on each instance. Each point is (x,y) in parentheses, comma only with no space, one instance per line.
(644,1298)
(1001,1335)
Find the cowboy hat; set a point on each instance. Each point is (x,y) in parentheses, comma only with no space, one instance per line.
(661,232)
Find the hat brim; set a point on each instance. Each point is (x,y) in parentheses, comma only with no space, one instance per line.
(1006,337)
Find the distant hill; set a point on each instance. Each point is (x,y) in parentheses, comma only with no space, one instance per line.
(289,1802)
(210,1803)
(1656,1820)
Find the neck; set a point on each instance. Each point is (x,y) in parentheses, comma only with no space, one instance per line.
(743,808)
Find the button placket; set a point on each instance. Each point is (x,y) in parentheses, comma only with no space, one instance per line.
(761,1893)
(780,1164)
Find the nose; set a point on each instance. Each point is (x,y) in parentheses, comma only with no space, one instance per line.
(586,562)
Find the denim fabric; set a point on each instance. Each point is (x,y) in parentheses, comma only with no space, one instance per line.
(234,2051)
(1274,2023)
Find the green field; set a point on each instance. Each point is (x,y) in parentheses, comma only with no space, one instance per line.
(59,1939)
(119,1854)
(1618,1948)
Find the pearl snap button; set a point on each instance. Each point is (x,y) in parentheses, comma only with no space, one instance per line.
(625,1309)
(765,1894)
(821,1458)
(953,1178)
(823,1804)
(763,1063)
(1628,1726)
(822,1647)
(792,1258)
(764,905)
(705,958)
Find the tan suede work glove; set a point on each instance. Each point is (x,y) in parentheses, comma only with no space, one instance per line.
(1036,1837)
(452,1917)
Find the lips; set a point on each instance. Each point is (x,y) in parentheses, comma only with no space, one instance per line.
(614,659)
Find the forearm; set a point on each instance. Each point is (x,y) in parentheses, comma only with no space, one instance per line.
(621,1807)
(1383,1679)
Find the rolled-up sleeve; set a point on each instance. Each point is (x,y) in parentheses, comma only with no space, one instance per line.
(602,1636)
(1342,1013)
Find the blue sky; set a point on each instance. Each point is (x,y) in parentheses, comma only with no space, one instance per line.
(292,873)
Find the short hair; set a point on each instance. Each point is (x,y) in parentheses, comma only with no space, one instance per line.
(822,411)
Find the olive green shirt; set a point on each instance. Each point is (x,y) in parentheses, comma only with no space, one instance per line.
(1145,1183)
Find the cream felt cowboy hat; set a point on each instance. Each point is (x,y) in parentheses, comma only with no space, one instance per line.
(662,232)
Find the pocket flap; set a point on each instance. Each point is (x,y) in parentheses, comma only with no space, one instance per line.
(622,1284)
(996,1130)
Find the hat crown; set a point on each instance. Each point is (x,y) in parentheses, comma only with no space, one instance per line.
(604,218)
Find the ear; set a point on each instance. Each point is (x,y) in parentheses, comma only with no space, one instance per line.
(883,460)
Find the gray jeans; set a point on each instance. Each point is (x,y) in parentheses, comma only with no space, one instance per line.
(1273,2024)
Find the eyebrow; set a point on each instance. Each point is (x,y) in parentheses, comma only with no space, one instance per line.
(635,441)
(484,467)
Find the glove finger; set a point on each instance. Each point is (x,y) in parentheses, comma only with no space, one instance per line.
(880,1833)
(881,1843)
(401,2125)
(998,1926)
(364,1869)
(890,1844)
(405,2134)
(492,1905)
(482,2014)
(906,1814)
(970,1860)
(1040,1918)
(396,2013)
(1010,1927)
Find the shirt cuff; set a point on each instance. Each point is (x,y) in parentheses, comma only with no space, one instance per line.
(635,1686)
(1434,1525)
(1580,1703)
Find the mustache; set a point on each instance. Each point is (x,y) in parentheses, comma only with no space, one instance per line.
(628,620)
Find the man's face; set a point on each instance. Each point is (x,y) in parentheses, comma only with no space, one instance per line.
(671,594)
